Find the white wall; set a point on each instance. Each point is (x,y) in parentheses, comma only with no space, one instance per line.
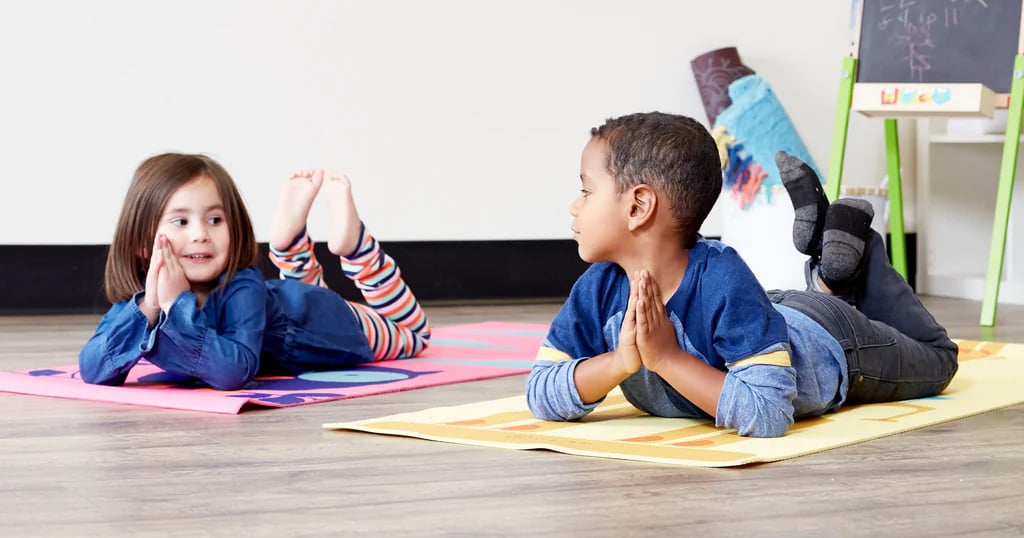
(456,119)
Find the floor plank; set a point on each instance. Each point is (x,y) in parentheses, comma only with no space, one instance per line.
(92,469)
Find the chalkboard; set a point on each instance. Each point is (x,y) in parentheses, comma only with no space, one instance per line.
(932,41)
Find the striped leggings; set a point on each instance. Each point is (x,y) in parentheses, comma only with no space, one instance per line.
(392,320)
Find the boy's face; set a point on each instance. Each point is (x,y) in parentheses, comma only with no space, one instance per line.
(599,213)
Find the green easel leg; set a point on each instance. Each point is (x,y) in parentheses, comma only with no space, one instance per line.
(1004,196)
(897,238)
(835,165)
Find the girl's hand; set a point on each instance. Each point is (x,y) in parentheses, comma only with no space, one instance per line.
(172,281)
(655,335)
(150,305)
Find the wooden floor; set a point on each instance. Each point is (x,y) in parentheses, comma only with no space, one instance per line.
(73,468)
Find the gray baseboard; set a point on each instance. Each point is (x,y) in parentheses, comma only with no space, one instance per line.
(67,279)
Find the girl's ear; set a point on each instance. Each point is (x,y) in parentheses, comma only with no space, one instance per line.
(643,200)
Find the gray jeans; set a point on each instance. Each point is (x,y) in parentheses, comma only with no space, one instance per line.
(894,347)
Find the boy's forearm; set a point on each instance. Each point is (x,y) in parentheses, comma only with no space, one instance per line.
(598,375)
(694,379)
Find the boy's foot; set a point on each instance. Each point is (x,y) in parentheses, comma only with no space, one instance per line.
(293,205)
(345,223)
(845,240)
(809,202)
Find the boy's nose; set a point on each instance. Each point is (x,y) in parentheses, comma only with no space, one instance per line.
(572,207)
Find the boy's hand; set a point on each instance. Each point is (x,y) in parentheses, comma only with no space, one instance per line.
(655,335)
(172,280)
(627,353)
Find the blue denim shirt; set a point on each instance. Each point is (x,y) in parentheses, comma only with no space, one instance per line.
(246,328)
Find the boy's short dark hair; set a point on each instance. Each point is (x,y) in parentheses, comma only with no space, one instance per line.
(672,153)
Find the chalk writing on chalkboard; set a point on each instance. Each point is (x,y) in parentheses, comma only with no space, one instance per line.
(939,41)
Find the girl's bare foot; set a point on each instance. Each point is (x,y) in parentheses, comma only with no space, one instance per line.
(293,205)
(345,223)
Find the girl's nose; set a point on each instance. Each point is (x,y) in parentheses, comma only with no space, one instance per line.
(200,235)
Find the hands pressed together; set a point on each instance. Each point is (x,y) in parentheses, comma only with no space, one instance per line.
(165,280)
(647,336)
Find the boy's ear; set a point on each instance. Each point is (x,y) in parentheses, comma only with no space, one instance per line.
(643,201)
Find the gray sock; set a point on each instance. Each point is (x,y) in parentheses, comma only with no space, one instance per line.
(845,240)
(809,202)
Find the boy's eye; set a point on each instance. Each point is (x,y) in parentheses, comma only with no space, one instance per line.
(584,193)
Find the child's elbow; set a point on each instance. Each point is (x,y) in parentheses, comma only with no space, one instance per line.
(760,419)
(766,425)
(230,383)
(226,385)
(551,395)
(93,376)
(541,403)
(542,411)
(234,380)
(541,407)
(88,375)
(768,431)
(91,371)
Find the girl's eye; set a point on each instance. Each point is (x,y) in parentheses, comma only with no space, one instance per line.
(216,220)
(178,222)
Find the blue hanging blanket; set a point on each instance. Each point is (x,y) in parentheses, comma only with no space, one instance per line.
(749,132)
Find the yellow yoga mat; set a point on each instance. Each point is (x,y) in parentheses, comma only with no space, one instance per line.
(991,376)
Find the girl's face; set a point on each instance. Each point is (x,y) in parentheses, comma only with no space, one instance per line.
(194,224)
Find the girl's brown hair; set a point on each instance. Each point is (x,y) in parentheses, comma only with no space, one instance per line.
(155,181)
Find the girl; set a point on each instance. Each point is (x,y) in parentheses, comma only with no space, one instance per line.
(188,298)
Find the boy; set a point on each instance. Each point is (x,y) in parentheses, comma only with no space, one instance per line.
(682,324)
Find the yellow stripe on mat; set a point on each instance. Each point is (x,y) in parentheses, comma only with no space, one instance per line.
(989,378)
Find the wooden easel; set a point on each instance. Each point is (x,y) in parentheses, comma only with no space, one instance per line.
(965,100)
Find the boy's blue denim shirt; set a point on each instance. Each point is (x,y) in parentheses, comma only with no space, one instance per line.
(722,316)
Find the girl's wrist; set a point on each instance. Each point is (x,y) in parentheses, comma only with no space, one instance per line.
(152,313)
(145,305)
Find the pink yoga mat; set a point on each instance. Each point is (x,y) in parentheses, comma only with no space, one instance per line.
(457,354)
